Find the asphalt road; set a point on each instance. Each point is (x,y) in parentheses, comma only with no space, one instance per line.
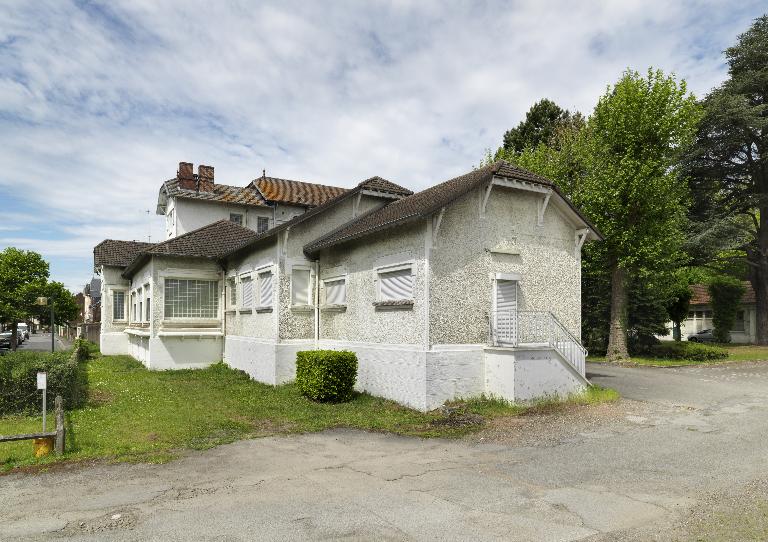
(683,455)
(41,342)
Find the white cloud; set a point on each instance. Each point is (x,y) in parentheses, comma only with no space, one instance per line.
(100,101)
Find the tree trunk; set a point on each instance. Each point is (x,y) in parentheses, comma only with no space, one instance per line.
(617,337)
(14,336)
(676,335)
(759,278)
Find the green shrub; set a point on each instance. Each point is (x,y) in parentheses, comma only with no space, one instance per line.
(326,375)
(725,293)
(688,351)
(18,380)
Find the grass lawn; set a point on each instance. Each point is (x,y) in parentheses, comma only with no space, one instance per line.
(735,353)
(138,415)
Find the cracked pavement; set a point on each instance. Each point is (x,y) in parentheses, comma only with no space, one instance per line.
(680,438)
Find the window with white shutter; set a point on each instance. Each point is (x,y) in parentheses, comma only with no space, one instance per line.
(232,287)
(335,292)
(300,287)
(265,289)
(247,293)
(118,305)
(396,285)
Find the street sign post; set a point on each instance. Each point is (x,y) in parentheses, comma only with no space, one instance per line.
(42,384)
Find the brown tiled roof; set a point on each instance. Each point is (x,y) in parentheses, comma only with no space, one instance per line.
(424,203)
(296,192)
(212,242)
(240,195)
(374,183)
(701,294)
(382,185)
(117,253)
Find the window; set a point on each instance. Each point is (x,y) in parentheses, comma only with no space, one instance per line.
(133,307)
(336,292)
(246,284)
(189,298)
(262,224)
(396,285)
(146,308)
(170,223)
(300,287)
(118,305)
(738,325)
(141,311)
(232,286)
(265,289)
(237,218)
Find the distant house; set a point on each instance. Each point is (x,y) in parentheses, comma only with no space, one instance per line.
(92,301)
(471,286)
(700,315)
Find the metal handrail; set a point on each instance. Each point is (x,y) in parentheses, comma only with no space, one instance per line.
(513,328)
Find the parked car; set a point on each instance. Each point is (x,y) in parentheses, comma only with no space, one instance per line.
(5,339)
(703,336)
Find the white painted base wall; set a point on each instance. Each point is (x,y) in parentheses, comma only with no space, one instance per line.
(418,378)
(160,353)
(113,344)
(264,360)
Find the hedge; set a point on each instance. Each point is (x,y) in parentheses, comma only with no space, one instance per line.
(66,377)
(326,375)
(688,351)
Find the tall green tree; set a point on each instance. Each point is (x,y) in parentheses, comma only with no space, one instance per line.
(539,126)
(23,276)
(633,190)
(64,303)
(728,163)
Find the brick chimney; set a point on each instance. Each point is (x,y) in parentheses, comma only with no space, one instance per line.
(186,176)
(205,178)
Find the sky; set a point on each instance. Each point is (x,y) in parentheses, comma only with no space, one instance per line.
(100,101)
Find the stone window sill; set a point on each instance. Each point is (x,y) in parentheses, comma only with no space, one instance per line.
(334,308)
(245,311)
(394,304)
(260,310)
(302,308)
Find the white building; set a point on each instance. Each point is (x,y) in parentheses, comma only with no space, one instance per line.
(700,316)
(471,286)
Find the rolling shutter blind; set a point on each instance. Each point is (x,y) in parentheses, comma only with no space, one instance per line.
(506,311)
(265,289)
(336,292)
(247,286)
(396,285)
(300,287)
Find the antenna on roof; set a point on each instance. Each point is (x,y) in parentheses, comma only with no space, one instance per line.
(149,219)
(263,173)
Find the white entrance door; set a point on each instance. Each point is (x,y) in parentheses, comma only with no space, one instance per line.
(506,312)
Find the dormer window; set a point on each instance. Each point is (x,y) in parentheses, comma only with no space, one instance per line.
(237,218)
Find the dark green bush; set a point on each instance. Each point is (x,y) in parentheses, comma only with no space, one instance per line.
(725,293)
(326,375)
(18,380)
(688,351)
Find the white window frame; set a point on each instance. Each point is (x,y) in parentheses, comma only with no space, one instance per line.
(232,290)
(325,290)
(193,276)
(126,298)
(259,273)
(390,269)
(308,270)
(243,278)
(147,314)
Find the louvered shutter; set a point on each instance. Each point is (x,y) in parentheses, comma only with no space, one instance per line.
(336,292)
(506,311)
(265,289)
(300,287)
(247,286)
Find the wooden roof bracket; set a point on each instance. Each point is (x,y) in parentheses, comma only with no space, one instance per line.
(543,202)
(437,220)
(580,237)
